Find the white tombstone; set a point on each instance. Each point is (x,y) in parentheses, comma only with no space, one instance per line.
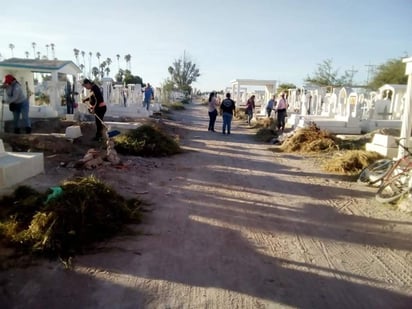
(15,167)
(73,132)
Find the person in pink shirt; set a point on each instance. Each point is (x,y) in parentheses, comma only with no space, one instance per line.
(281,109)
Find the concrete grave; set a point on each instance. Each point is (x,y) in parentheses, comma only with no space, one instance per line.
(18,166)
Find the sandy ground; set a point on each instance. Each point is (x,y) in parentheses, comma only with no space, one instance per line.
(232,225)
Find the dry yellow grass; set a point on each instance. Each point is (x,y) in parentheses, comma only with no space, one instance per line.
(350,162)
(310,139)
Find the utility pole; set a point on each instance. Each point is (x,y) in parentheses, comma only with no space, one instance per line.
(371,70)
(352,73)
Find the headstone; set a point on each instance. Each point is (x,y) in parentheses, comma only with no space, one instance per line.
(15,167)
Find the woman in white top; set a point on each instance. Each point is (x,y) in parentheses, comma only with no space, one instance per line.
(213,103)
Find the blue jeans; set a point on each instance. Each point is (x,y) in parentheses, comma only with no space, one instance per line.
(227,121)
(249,116)
(23,109)
(146,103)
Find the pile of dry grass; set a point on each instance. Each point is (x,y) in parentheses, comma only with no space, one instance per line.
(147,140)
(350,162)
(82,212)
(310,139)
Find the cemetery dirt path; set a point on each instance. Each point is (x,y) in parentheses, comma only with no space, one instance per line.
(233,225)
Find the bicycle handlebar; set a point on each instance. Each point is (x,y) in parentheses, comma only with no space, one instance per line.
(404,147)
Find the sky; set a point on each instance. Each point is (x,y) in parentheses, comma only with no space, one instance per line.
(282,40)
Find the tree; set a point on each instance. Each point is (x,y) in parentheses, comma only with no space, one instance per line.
(33,44)
(183,73)
(95,72)
(76,55)
(102,66)
(118,61)
(109,62)
(132,79)
(90,63)
(11,46)
(326,75)
(47,50)
(98,57)
(107,71)
(53,52)
(27,54)
(284,88)
(83,53)
(119,76)
(127,58)
(391,72)
(81,66)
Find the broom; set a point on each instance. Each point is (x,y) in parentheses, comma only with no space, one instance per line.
(110,133)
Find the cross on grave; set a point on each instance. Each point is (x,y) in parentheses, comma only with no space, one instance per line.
(385,114)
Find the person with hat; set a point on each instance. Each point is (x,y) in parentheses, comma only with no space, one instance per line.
(97,106)
(18,103)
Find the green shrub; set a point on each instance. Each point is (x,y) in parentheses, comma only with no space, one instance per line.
(147,140)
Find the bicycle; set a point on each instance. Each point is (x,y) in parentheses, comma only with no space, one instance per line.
(374,173)
(395,183)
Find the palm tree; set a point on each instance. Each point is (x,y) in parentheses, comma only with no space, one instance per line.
(98,57)
(76,55)
(127,58)
(27,54)
(52,48)
(38,55)
(109,62)
(118,62)
(90,64)
(47,50)
(102,66)
(107,70)
(83,53)
(95,72)
(33,44)
(11,46)
(81,66)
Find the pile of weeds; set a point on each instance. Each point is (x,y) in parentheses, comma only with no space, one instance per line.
(310,139)
(177,106)
(267,130)
(147,140)
(350,162)
(266,134)
(65,220)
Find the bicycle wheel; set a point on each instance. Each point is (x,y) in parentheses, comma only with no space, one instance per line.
(393,190)
(375,171)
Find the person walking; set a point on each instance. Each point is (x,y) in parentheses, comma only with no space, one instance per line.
(281,109)
(270,106)
(97,106)
(18,103)
(250,107)
(148,96)
(213,103)
(227,108)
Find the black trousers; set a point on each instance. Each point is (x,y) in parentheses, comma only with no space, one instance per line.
(281,119)
(99,111)
(212,120)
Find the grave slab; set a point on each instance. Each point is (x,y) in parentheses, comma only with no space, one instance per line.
(18,166)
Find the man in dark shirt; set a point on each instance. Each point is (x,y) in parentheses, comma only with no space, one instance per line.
(227,107)
(97,106)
